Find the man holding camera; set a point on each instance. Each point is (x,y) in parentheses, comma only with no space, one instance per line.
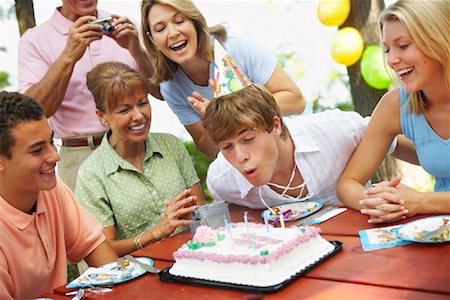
(53,61)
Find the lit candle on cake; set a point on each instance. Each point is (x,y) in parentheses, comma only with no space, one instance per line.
(246,221)
(282,221)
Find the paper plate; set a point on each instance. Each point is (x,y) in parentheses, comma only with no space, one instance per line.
(415,230)
(294,210)
(110,274)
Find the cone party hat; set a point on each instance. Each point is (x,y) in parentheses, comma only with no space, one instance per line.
(228,76)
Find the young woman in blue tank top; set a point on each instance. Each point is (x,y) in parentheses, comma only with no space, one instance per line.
(416,39)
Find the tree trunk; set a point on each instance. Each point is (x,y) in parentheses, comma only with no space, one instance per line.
(364,17)
(25,15)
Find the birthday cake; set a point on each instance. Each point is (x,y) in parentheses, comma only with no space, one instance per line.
(250,254)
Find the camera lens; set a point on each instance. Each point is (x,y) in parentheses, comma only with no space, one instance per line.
(107,28)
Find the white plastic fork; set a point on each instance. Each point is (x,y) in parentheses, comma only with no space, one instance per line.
(308,220)
(436,232)
(146,267)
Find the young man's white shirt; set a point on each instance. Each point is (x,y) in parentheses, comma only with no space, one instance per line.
(324,143)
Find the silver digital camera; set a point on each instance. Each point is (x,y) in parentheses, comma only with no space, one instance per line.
(213,215)
(106,23)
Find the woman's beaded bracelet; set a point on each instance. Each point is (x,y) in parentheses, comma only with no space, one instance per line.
(137,241)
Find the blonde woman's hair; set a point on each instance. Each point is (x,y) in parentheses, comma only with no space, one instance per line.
(164,68)
(110,82)
(252,108)
(428,22)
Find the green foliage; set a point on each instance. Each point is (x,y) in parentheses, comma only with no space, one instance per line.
(327,92)
(201,163)
(346,106)
(291,63)
(4,82)
(72,271)
(7,10)
(334,77)
(4,76)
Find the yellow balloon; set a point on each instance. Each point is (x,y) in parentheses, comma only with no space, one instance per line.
(333,12)
(347,46)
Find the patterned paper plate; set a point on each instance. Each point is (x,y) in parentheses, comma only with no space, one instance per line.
(415,231)
(110,274)
(293,211)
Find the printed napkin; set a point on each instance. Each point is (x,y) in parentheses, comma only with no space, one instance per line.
(379,238)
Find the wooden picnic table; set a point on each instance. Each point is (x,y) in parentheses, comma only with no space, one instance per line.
(414,271)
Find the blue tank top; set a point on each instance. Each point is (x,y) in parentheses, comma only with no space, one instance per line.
(432,150)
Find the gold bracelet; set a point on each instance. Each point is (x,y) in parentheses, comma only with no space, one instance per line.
(137,241)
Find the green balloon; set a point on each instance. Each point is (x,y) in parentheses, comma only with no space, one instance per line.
(373,69)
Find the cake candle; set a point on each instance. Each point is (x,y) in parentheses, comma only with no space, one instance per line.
(246,221)
(282,221)
(225,221)
(266,221)
(252,235)
(230,235)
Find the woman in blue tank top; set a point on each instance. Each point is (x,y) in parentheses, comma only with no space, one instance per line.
(416,39)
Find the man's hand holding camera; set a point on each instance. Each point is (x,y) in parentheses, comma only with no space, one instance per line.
(126,34)
(81,34)
(87,29)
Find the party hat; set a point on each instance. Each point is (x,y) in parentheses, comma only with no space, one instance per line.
(228,76)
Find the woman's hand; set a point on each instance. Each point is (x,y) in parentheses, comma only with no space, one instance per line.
(381,205)
(175,215)
(390,201)
(199,102)
(383,212)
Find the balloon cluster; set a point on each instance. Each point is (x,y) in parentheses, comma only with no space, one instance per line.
(348,45)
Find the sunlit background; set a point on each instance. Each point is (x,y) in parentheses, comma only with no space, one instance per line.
(290,28)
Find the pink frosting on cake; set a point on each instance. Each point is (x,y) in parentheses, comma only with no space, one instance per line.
(205,234)
(304,235)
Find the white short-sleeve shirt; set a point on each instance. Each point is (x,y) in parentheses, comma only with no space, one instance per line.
(324,143)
